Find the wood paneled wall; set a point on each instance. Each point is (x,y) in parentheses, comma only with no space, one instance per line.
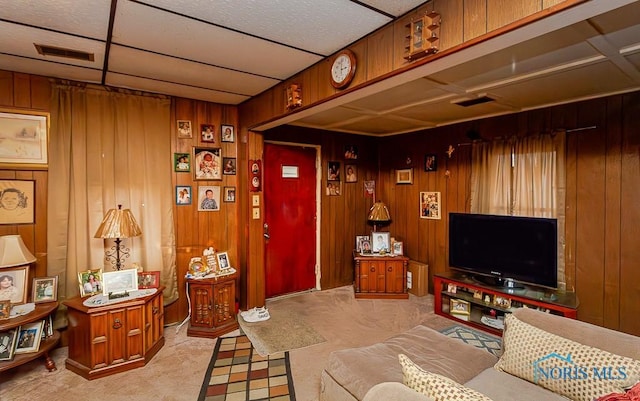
(603,188)
(28,92)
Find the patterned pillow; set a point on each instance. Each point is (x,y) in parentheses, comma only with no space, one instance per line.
(632,395)
(438,387)
(566,367)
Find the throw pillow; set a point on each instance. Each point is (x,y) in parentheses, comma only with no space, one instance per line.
(433,385)
(566,367)
(632,395)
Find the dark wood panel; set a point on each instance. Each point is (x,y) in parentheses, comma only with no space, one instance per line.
(379,59)
(504,12)
(452,30)
(475,18)
(21,90)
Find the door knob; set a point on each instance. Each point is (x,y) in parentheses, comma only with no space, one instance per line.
(266,231)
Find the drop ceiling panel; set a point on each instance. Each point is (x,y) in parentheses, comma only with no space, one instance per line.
(382,125)
(396,7)
(89,18)
(409,93)
(144,64)
(331,117)
(126,81)
(296,23)
(47,69)
(141,26)
(634,59)
(443,112)
(19,40)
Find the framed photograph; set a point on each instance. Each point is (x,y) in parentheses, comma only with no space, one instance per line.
(359,239)
(229,166)
(149,279)
(183,194)
(404,176)
(17,201)
(184,129)
(119,281)
(334,188)
(45,289)
(29,337)
(228,133)
(397,248)
(90,282)
(502,302)
(208,133)
(5,309)
(451,288)
(181,162)
(477,294)
(351,152)
(223,260)
(333,171)
(381,242)
(351,173)
(208,198)
(365,246)
(369,188)
(24,137)
(459,309)
(430,162)
(207,163)
(229,194)
(13,284)
(430,205)
(8,344)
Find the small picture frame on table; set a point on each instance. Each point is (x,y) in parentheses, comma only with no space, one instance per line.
(223,260)
(459,309)
(90,282)
(5,309)
(381,242)
(8,344)
(502,302)
(17,277)
(477,294)
(149,279)
(29,337)
(365,246)
(397,248)
(119,282)
(451,288)
(45,289)
(359,239)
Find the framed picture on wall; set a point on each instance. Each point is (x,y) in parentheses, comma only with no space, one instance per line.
(208,133)
(230,194)
(17,203)
(207,163)
(351,173)
(430,162)
(228,133)
(229,166)
(183,195)
(208,198)
(430,205)
(404,176)
(333,171)
(181,162)
(24,138)
(184,129)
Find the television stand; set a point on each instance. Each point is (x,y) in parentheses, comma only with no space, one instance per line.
(497,282)
(465,299)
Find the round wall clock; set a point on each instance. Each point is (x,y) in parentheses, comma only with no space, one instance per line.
(343,69)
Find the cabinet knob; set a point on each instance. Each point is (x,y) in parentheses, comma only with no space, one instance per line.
(117,324)
(373,269)
(389,269)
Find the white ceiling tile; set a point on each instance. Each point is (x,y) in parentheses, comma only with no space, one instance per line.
(322,27)
(144,64)
(89,18)
(48,69)
(396,7)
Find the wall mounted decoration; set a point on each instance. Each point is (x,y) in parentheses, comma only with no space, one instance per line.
(430,162)
(208,133)
(208,198)
(430,205)
(351,173)
(255,175)
(333,171)
(181,162)
(404,176)
(229,164)
(183,194)
(24,138)
(422,36)
(293,96)
(228,133)
(184,129)
(17,203)
(207,163)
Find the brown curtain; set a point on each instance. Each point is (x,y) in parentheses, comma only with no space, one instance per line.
(109,148)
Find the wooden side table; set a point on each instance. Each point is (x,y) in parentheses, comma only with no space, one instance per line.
(381,276)
(213,306)
(113,338)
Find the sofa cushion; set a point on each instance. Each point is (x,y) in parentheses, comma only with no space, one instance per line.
(632,395)
(501,386)
(438,387)
(563,366)
(359,369)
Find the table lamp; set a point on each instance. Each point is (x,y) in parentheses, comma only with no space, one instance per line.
(378,214)
(13,252)
(118,223)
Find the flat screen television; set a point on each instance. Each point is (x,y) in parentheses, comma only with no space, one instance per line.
(506,249)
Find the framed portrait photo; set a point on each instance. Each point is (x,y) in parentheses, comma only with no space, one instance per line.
(90,282)
(228,133)
(8,344)
(351,152)
(13,284)
(333,171)
(430,205)
(45,289)
(397,248)
(223,260)
(149,279)
(207,163)
(184,129)
(229,194)
(229,164)
(119,281)
(181,162)
(359,239)
(29,337)
(208,198)
(24,139)
(183,194)
(351,173)
(17,201)
(208,133)
(404,176)
(381,242)
(430,162)
(5,309)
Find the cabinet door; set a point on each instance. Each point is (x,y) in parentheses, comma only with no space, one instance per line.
(225,302)
(371,276)
(154,321)
(201,305)
(99,339)
(134,333)
(395,277)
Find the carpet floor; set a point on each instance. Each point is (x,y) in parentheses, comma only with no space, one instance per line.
(476,338)
(238,373)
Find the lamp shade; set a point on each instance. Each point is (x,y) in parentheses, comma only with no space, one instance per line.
(118,223)
(379,213)
(13,252)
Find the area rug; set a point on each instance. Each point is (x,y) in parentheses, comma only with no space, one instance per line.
(236,372)
(282,332)
(486,341)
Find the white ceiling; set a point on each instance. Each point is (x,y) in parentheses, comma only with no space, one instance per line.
(227,51)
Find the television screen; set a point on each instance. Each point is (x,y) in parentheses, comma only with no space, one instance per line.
(522,249)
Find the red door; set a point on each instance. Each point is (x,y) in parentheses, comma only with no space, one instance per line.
(290,218)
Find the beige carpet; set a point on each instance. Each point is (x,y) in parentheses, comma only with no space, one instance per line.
(284,331)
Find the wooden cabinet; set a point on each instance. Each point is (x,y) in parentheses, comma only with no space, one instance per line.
(113,338)
(42,311)
(466,300)
(381,277)
(213,306)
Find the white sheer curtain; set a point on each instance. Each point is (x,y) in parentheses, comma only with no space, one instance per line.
(522,177)
(109,148)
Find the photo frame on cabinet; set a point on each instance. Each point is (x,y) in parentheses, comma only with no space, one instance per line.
(45,289)
(359,239)
(183,195)
(381,242)
(17,201)
(223,260)
(181,162)
(29,337)
(8,344)
(207,163)
(149,279)
(397,248)
(208,133)
(227,133)
(119,282)
(404,176)
(17,276)
(25,139)
(184,129)
(90,282)
(5,309)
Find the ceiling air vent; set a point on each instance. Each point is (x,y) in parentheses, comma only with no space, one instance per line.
(62,52)
(472,102)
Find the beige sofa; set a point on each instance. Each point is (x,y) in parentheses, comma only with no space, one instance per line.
(373,373)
